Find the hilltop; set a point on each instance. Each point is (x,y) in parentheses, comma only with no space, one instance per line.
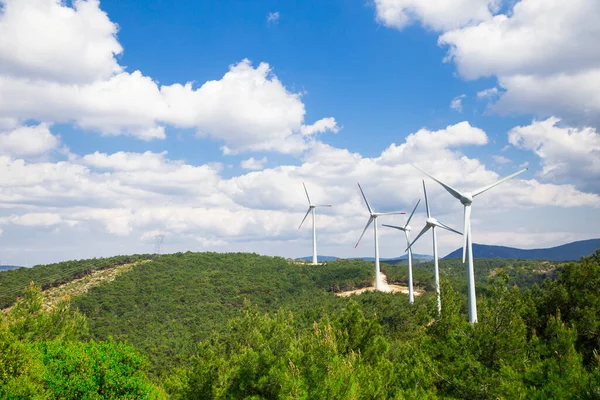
(566,252)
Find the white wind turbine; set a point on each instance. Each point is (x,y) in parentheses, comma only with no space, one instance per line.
(432,223)
(311,209)
(466,198)
(406,229)
(373,218)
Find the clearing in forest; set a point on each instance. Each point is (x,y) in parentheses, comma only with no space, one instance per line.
(384,286)
(77,287)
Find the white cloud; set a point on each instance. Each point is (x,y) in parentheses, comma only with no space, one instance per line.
(456,103)
(28,141)
(544,54)
(574,97)
(33,219)
(535,38)
(501,159)
(253,163)
(46,39)
(248,109)
(424,140)
(110,201)
(435,14)
(123,161)
(73,76)
(488,93)
(321,126)
(568,154)
(273,17)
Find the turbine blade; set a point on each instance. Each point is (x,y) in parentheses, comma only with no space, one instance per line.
(488,187)
(364,230)
(394,226)
(426,202)
(446,227)
(306,191)
(392,213)
(466,230)
(412,213)
(427,227)
(365,197)
(303,219)
(448,188)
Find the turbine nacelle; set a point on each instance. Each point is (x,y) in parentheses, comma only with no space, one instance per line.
(372,215)
(466,199)
(432,222)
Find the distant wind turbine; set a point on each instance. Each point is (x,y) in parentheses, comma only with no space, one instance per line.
(406,229)
(432,223)
(311,210)
(373,218)
(466,198)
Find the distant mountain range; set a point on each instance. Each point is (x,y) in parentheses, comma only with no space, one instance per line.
(8,267)
(566,252)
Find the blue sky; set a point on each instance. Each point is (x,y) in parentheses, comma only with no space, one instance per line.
(103,146)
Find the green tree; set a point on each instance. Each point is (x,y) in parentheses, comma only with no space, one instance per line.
(42,357)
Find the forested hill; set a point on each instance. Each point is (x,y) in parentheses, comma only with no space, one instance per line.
(566,252)
(229,326)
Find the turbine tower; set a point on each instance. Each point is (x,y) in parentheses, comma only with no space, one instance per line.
(406,229)
(432,223)
(466,198)
(373,218)
(311,210)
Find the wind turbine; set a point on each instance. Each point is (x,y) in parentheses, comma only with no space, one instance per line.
(311,210)
(432,223)
(466,198)
(406,229)
(373,218)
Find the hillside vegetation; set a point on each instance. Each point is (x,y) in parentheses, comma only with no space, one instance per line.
(12,282)
(225,326)
(167,306)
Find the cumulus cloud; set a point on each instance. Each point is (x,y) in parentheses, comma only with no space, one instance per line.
(321,126)
(532,53)
(80,48)
(535,38)
(253,163)
(33,219)
(543,53)
(28,141)
(73,76)
(438,15)
(567,154)
(115,197)
(124,161)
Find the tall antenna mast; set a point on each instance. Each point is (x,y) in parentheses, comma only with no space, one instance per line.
(159,240)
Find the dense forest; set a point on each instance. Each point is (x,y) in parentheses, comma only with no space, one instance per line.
(228,326)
